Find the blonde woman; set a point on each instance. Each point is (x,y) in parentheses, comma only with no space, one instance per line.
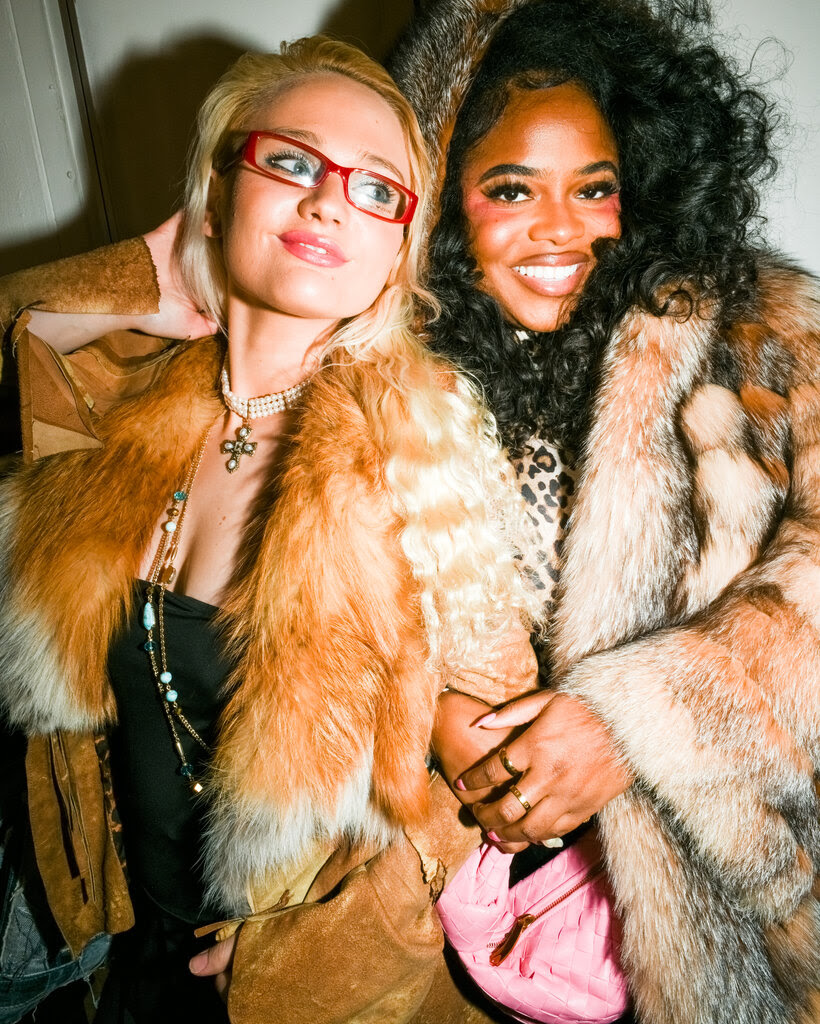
(238,595)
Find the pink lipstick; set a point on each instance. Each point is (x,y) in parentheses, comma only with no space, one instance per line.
(315,249)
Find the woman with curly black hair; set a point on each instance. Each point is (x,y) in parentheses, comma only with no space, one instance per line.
(693,144)
(656,372)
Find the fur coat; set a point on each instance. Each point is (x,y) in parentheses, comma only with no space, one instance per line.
(688,619)
(322,745)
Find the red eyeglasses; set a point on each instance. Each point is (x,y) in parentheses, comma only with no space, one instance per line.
(294,163)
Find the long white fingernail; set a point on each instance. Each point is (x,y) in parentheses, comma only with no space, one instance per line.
(554,844)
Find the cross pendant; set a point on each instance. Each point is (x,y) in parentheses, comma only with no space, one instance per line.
(236,449)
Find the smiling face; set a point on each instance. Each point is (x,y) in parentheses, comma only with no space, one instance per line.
(306,252)
(539,189)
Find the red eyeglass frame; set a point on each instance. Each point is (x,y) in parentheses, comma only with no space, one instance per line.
(330,168)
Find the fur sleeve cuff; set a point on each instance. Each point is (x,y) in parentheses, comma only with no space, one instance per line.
(701,737)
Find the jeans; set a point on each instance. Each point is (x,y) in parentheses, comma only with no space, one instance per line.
(34,960)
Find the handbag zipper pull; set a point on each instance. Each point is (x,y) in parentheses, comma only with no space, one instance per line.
(507,944)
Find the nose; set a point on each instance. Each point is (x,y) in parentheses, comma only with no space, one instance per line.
(556,220)
(326,202)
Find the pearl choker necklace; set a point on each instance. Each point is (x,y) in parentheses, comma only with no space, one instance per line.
(252,409)
(264,405)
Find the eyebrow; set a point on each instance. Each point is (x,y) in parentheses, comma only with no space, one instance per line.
(303,135)
(533,172)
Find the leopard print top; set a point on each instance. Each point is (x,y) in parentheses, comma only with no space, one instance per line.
(547,478)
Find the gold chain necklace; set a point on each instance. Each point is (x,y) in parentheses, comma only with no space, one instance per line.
(153,619)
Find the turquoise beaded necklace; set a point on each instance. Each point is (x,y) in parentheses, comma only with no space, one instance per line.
(153,620)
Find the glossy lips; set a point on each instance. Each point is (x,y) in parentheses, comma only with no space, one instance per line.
(311,248)
(553,274)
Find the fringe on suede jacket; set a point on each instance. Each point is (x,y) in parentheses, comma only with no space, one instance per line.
(688,618)
(326,732)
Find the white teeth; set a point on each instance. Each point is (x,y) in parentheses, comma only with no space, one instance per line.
(548,273)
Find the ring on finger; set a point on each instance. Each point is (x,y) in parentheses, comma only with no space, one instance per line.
(519,796)
(508,765)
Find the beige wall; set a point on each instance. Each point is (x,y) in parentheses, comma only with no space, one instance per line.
(781,40)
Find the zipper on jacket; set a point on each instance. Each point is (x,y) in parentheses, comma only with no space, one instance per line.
(503,949)
(73,816)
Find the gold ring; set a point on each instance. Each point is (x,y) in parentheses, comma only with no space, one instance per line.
(519,796)
(508,765)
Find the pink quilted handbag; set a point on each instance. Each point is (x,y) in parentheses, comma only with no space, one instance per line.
(546,949)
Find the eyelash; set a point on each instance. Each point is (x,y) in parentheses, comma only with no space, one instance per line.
(497,191)
(606,188)
(391,192)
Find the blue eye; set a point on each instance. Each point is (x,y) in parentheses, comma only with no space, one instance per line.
(290,163)
(379,191)
(294,165)
(373,193)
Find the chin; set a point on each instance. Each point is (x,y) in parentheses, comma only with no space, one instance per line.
(543,320)
(540,314)
(334,303)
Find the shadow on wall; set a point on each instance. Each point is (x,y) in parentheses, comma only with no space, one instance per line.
(46,247)
(145,118)
(142,124)
(371,24)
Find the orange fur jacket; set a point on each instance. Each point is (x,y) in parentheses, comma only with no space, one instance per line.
(322,744)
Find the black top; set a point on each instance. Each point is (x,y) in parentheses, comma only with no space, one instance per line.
(162,820)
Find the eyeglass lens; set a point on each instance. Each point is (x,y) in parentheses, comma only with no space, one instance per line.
(367,191)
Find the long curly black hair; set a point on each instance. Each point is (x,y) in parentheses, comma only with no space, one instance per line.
(694,142)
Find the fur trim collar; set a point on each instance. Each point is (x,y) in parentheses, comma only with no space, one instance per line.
(330,707)
(452,34)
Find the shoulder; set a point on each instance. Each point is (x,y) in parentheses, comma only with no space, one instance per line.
(776,345)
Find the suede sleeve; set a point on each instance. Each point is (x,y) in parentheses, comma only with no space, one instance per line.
(61,395)
(117,278)
(510,671)
(73,844)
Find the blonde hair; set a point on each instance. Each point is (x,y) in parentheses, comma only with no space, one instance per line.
(229,112)
(449,480)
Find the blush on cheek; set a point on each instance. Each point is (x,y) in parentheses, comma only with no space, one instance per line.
(481,210)
(610,210)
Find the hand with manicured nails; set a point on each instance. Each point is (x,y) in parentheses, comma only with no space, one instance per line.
(569,764)
(458,745)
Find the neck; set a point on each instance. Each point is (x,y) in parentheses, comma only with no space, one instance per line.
(270,351)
